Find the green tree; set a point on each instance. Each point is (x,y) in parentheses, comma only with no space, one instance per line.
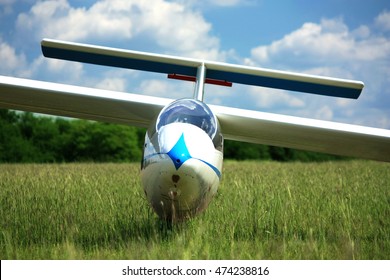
(240,151)
(93,141)
(43,136)
(13,146)
(26,137)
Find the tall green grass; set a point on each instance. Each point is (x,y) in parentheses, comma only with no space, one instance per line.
(263,210)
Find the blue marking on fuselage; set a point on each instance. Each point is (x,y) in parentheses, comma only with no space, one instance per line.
(212,167)
(179,154)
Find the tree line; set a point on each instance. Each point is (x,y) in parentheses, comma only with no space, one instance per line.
(27,137)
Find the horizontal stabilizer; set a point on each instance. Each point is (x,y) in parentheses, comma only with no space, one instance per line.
(188,67)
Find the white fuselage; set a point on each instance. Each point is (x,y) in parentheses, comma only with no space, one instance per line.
(181,166)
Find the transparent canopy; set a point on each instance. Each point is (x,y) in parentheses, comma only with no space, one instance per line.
(192,112)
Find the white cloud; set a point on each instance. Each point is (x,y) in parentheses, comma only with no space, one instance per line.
(361,32)
(217,3)
(57,19)
(116,84)
(58,70)
(179,29)
(383,20)
(6,6)
(11,62)
(269,98)
(327,43)
(330,48)
(171,26)
(115,79)
(226,3)
(166,88)
(324,112)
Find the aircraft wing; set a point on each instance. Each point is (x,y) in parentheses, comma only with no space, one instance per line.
(304,134)
(79,102)
(236,124)
(188,68)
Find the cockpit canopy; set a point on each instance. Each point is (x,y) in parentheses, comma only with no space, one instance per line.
(192,112)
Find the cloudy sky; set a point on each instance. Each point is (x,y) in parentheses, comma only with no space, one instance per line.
(338,38)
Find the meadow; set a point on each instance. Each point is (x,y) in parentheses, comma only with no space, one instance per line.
(263,210)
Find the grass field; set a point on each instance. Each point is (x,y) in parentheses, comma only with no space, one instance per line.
(263,210)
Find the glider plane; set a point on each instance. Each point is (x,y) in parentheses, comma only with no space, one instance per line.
(182,158)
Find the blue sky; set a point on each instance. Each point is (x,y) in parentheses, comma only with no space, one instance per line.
(338,38)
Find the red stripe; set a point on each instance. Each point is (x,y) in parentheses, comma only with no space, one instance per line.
(193,79)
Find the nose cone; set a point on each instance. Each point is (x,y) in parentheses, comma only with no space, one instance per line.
(174,194)
(181,175)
